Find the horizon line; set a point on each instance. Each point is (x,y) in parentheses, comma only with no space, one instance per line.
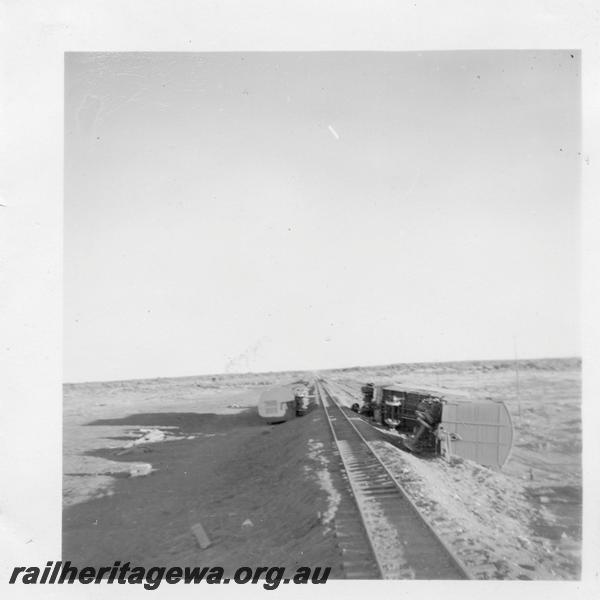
(368,366)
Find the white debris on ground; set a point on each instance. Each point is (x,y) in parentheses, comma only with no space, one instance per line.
(91,486)
(482,514)
(87,477)
(315,453)
(153,436)
(96,476)
(140,469)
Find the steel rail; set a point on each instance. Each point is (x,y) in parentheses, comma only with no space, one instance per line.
(451,567)
(320,390)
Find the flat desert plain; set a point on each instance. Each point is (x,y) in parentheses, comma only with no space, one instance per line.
(147,460)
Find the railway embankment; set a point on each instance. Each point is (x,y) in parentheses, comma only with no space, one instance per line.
(277,494)
(263,494)
(487,518)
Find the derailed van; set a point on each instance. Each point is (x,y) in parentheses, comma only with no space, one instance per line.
(282,403)
(449,423)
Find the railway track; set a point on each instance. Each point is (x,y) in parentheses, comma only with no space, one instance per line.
(402,543)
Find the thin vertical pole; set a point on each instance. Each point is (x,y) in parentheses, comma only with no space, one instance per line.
(517,377)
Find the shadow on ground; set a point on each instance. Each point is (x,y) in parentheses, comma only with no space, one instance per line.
(187,422)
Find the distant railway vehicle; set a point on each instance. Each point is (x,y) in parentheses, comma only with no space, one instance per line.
(442,421)
(282,403)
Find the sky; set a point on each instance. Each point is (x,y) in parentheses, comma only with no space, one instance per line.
(233,212)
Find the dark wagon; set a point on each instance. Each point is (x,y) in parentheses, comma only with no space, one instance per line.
(443,421)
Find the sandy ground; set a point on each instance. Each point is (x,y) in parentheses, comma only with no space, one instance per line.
(91,413)
(262,493)
(525,521)
(146,460)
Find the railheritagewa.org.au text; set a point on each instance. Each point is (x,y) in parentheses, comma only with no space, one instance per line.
(151,577)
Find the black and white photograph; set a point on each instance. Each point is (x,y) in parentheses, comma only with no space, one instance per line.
(300,299)
(322,309)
